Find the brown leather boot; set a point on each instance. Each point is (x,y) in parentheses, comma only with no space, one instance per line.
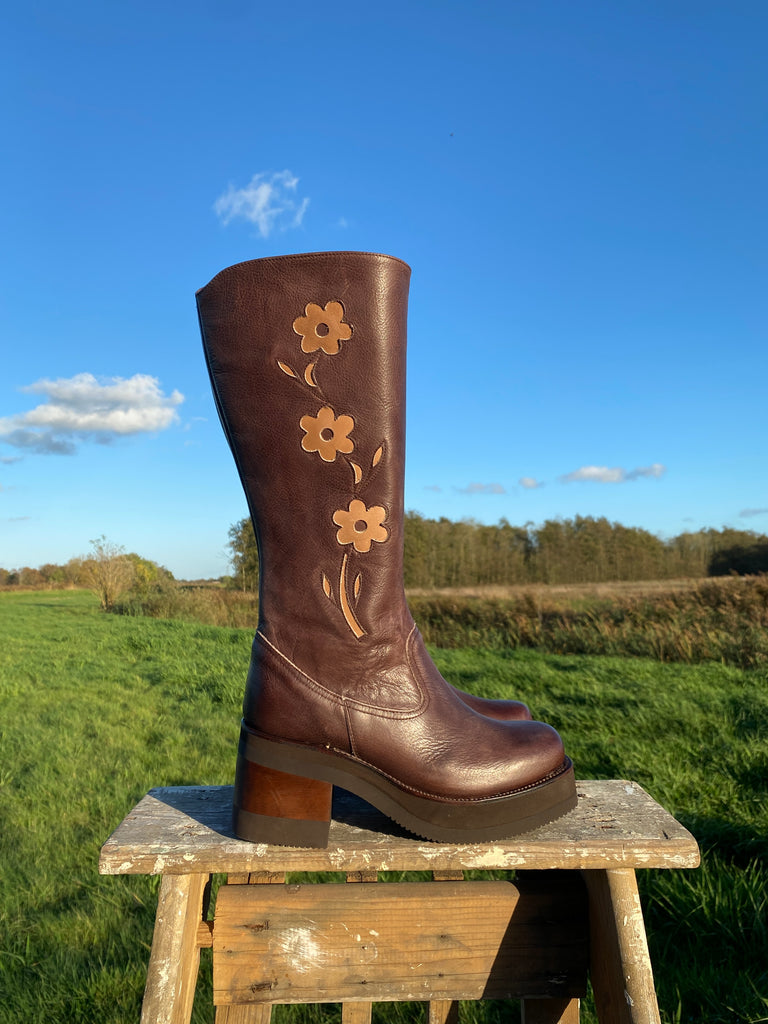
(307,361)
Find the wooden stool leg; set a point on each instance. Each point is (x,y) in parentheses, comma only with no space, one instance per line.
(249,1013)
(549,1011)
(175,956)
(443,1011)
(358,1013)
(620,965)
(244,1014)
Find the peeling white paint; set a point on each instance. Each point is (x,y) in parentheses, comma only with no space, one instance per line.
(304,952)
(164,972)
(337,857)
(430,852)
(497,856)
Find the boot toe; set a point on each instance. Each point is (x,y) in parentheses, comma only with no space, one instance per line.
(536,754)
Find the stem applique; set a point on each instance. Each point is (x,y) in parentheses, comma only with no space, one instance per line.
(349,615)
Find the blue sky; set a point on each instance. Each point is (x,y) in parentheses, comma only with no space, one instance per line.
(579,187)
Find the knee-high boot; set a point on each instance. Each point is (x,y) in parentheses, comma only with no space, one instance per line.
(307,362)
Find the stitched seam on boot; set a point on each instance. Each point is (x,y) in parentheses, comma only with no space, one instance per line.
(350,732)
(413,790)
(322,691)
(417,675)
(304,679)
(549,777)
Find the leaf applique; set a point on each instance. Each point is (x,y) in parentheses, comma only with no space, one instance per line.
(327,587)
(309,375)
(357,471)
(287,369)
(377,456)
(358,581)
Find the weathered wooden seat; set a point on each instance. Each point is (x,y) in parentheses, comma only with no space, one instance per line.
(572,911)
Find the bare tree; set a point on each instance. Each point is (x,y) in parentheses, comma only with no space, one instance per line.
(108,571)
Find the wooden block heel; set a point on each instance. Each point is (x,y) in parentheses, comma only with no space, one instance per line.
(278,808)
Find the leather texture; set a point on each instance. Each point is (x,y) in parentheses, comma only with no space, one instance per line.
(306,356)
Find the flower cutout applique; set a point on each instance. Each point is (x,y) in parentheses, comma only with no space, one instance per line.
(327,434)
(322,328)
(360,525)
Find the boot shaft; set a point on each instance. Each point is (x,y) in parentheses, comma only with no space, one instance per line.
(306,356)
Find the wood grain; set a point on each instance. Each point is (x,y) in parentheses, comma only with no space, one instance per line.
(368,942)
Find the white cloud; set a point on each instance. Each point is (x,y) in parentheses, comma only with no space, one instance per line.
(747,513)
(612,474)
(655,470)
(530,483)
(597,474)
(476,488)
(432,487)
(269,201)
(83,408)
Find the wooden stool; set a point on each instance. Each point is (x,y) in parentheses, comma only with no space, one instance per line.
(572,910)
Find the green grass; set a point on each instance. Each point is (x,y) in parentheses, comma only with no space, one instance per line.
(96,709)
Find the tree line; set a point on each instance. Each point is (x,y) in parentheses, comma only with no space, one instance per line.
(443,553)
(446,553)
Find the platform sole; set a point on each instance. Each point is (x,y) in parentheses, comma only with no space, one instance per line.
(283,796)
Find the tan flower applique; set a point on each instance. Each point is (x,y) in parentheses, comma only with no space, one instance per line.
(327,434)
(322,328)
(360,525)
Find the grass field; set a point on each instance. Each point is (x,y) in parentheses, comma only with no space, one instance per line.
(96,709)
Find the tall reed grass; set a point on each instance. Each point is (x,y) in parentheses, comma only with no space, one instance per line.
(723,620)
